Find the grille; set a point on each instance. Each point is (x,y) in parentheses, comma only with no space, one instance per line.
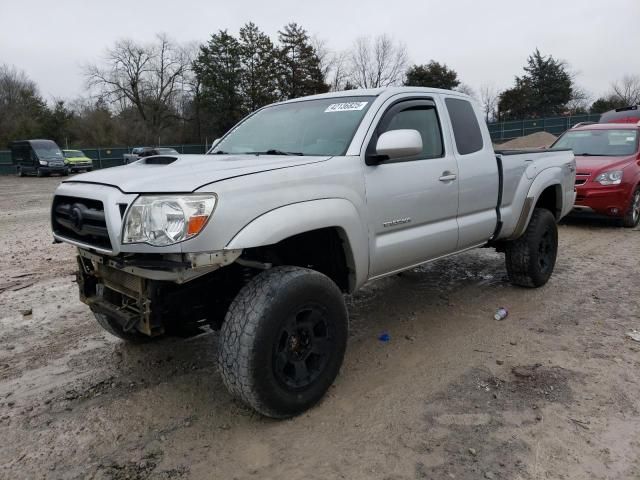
(80,219)
(120,281)
(581,178)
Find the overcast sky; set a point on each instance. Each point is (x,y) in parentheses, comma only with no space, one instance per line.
(486,42)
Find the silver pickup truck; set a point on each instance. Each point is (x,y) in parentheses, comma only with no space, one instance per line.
(299,203)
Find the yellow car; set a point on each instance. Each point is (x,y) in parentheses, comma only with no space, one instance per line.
(76,160)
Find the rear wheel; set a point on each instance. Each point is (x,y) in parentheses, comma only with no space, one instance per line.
(531,258)
(283,340)
(112,326)
(632,216)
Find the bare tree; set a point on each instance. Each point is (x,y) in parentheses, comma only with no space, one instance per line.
(323,53)
(149,78)
(627,89)
(580,100)
(377,62)
(489,97)
(21,106)
(339,75)
(466,89)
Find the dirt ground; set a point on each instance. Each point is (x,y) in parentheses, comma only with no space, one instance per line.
(552,391)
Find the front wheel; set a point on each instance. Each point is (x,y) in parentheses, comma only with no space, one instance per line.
(20,172)
(283,340)
(531,258)
(632,215)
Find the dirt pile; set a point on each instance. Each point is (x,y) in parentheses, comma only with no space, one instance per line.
(535,140)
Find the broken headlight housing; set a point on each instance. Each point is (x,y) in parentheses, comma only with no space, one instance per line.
(162,220)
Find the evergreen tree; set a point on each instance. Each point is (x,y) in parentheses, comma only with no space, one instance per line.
(545,89)
(433,74)
(56,123)
(604,104)
(259,63)
(300,72)
(219,71)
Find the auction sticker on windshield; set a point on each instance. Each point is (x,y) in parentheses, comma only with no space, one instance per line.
(345,107)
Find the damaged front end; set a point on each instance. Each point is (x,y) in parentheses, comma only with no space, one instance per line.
(155,293)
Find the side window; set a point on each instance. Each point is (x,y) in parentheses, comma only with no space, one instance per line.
(466,130)
(413,115)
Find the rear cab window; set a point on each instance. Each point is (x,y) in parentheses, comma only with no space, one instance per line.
(464,122)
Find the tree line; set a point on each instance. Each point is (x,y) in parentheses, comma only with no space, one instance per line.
(163,92)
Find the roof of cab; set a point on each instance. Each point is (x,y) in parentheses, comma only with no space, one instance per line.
(608,126)
(376,92)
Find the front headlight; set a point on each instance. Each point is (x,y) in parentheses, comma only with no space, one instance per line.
(610,178)
(44,162)
(167,219)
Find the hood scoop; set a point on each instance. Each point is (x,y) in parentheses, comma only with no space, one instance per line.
(159,160)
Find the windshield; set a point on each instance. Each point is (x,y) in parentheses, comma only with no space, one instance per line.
(73,153)
(605,143)
(312,127)
(46,149)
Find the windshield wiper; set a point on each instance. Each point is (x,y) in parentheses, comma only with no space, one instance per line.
(274,151)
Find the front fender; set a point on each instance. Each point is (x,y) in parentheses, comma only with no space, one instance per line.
(289,220)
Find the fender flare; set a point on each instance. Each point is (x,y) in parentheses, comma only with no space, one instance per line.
(283,222)
(545,179)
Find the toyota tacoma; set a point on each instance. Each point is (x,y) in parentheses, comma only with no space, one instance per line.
(301,202)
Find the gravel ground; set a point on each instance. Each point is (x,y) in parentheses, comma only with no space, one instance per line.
(552,391)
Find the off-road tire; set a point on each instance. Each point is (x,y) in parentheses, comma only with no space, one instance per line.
(632,215)
(255,334)
(531,258)
(114,328)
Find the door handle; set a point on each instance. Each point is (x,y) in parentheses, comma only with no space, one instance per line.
(448,177)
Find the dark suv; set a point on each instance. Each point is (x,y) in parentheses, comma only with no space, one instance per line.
(39,157)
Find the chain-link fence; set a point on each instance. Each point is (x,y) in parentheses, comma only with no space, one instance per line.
(105,157)
(503,131)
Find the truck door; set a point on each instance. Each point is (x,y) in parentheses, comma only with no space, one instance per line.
(413,201)
(478,180)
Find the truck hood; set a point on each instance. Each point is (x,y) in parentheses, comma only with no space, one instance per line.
(594,165)
(187,173)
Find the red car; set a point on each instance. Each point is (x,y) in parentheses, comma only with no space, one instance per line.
(607,169)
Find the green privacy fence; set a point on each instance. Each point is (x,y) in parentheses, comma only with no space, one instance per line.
(502,131)
(103,157)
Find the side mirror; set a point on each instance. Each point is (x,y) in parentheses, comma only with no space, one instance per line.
(399,143)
